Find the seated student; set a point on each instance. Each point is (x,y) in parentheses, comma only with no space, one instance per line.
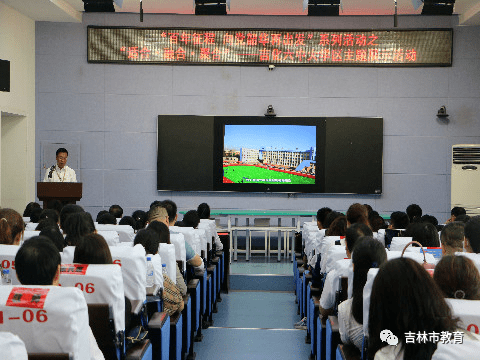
(50,214)
(171,296)
(192,258)
(463,218)
(12,227)
(100,214)
(368,253)
(38,263)
(164,238)
(116,211)
(338,227)
(399,220)
(456,212)
(55,205)
(128,220)
(67,210)
(414,213)
(76,226)
(107,219)
(376,221)
(472,236)
(458,277)
(28,209)
(44,223)
(330,218)
(54,234)
(140,218)
(452,236)
(406,300)
(203,211)
(321,215)
(93,249)
(357,213)
(327,299)
(429,219)
(425,233)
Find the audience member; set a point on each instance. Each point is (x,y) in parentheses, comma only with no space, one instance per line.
(116,211)
(28,209)
(76,226)
(368,253)
(376,221)
(368,207)
(38,263)
(158,213)
(140,218)
(50,214)
(357,213)
(67,210)
(425,233)
(92,250)
(12,227)
(54,234)
(203,211)
(107,219)
(35,215)
(128,220)
(429,219)
(463,218)
(455,212)
(414,212)
(338,227)
(331,216)
(55,205)
(399,220)
(472,236)
(44,223)
(321,215)
(191,219)
(100,214)
(406,300)
(452,236)
(457,277)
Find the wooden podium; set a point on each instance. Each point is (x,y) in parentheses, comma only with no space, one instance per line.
(66,192)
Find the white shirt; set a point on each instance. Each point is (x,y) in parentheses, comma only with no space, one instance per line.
(66,174)
(351,332)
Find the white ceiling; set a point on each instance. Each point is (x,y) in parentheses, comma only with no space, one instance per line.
(71,10)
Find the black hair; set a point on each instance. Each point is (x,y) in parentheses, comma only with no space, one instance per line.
(149,239)
(414,212)
(331,216)
(203,211)
(171,208)
(338,227)
(61,150)
(368,253)
(322,214)
(55,205)
(399,220)
(463,218)
(377,222)
(140,218)
(54,234)
(457,211)
(28,209)
(191,219)
(425,233)
(429,219)
(162,231)
(116,211)
(49,214)
(93,249)
(107,219)
(472,234)
(78,225)
(128,220)
(67,210)
(357,213)
(354,232)
(35,215)
(406,299)
(155,203)
(37,261)
(45,223)
(100,214)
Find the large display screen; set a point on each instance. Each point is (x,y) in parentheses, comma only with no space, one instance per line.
(266,46)
(269,154)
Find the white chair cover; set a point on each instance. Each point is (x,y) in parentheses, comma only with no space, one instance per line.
(111,237)
(67,254)
(342,268)
(202,236)
(398,243)
(417,256)
(134,270)
(29,234)
(26,219)
(367,292)
(100,284)
(49,319)
(189,235)
(208,230)
(469,349)
(125,232)
(30,226)
(7,260)
(334,254)
(469,313)
(167,253)
(213,231)
(178,240)
(381,236)
(157,267)
(12,347)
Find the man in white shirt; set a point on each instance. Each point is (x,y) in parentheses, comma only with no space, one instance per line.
(60,172)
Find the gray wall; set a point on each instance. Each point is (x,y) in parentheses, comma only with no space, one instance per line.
(111,110)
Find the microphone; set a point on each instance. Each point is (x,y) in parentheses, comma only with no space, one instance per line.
(51,171)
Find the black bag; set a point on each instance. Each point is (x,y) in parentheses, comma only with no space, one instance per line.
(135,335)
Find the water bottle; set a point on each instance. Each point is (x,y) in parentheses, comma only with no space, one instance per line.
(164,269)
(150,272)
(6,280)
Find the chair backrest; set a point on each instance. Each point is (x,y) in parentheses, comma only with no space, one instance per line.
(201,234)
(391,233)
(27,234)
(125,232)
(134,270)
(7,260)
(398,243)
(100,284)
(167,253)
(157,267)
(381,236)
(468,349)
(12,347)
(30,226)
(334,253)
(209,227)
(417,256)
(111,237)
(367,292)
(67,254)
(189,236)
(26,219)
(49,319)
(468,311)
(178,240)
